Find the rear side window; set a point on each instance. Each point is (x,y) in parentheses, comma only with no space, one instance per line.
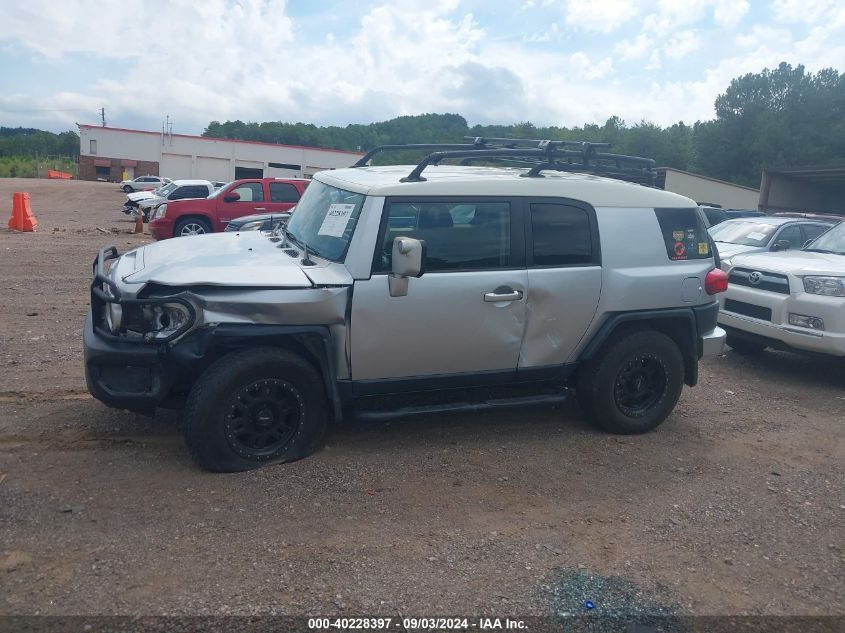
(684,234)
(283,192)
(560,235)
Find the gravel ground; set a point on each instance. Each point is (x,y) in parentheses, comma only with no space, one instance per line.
(734,506)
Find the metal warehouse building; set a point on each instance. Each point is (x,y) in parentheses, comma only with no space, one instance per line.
(707,191)
(819,189)
(114,153)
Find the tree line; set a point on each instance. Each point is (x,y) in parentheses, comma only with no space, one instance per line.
(778,117)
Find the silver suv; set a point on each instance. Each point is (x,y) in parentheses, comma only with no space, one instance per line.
(403,290)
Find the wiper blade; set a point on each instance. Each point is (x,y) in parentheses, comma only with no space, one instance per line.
(820,250)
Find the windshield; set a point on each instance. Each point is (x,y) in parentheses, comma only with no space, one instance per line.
(165,190)
(220,189)
(832,242)
(743,233)
(325,219)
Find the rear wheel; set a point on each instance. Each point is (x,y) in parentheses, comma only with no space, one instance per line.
(255,407)
(633,383)
(191,226)
(744,346)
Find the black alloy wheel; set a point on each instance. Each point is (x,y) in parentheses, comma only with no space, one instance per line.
(639,385)
(263,417)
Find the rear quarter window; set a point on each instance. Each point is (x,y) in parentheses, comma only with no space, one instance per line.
(684,234)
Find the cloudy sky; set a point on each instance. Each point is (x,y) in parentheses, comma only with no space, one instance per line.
(562,62)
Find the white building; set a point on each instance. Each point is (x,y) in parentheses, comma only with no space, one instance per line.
(115,153)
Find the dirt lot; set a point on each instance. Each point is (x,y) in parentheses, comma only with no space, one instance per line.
(734,506)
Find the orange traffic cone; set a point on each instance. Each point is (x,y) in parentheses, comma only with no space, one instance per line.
(22,218)
(139,223)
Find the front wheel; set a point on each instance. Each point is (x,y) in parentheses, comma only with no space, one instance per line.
(255,407)
(191,226)
(634,382)
(128,189)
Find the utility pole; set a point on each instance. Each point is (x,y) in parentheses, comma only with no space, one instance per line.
(103,116)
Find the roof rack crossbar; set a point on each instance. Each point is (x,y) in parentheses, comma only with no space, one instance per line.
(364,160)
(436,157)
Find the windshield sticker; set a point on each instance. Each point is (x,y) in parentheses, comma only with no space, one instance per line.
(678,235)
(703,248)
(336,220)
(679,250)
(756,236)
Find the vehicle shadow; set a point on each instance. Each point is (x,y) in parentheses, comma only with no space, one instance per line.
(799,369)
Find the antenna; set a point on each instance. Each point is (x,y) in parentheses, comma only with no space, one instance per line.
(103,116)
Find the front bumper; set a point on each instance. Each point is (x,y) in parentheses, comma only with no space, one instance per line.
(778,332)
(124,375)
(161,228)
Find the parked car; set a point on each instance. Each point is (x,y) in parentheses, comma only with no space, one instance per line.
(258,222)
(748,235)
(143,183)
(732,214)
(145,201)
(491,290)
(714,215)
(211,215)
(793,299)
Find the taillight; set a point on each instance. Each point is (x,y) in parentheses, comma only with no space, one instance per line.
(716,281)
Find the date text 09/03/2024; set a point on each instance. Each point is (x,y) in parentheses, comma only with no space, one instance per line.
(415,623)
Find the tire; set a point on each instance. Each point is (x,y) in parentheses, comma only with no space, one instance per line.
(127,189)
(255,407)
(633,383)
(191,226)
(744,346)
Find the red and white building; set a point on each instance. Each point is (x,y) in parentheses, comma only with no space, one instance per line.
(115,154)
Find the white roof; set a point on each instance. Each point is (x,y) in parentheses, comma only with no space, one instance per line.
(461,180)
(191,182)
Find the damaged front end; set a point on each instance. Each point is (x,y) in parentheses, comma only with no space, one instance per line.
(132,319)
(154,327)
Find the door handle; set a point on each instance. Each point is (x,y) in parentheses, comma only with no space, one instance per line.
(507,294)
(260,209)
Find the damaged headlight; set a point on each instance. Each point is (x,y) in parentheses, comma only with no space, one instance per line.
(113,312)
(169,318)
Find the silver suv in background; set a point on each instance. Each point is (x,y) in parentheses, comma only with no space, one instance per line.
(764,234)
(402,290)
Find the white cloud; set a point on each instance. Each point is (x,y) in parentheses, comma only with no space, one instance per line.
(603,16)
(682,44)
(581,66)
(729,13)
(632,50)
(804,10)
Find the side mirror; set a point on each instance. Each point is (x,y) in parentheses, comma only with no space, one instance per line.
(232,196)
(781,245)
(408,261)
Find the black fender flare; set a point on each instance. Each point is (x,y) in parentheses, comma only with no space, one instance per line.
(683,329)
(315,342)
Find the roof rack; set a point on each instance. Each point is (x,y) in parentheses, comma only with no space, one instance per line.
(538,154)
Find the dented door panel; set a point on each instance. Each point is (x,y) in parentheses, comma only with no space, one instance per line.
(561,304)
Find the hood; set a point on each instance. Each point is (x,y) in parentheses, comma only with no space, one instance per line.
(150,202)
(218,259)
(795,262)
(727,250)
(140,195)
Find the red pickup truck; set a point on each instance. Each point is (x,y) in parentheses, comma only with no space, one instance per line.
(210,215)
